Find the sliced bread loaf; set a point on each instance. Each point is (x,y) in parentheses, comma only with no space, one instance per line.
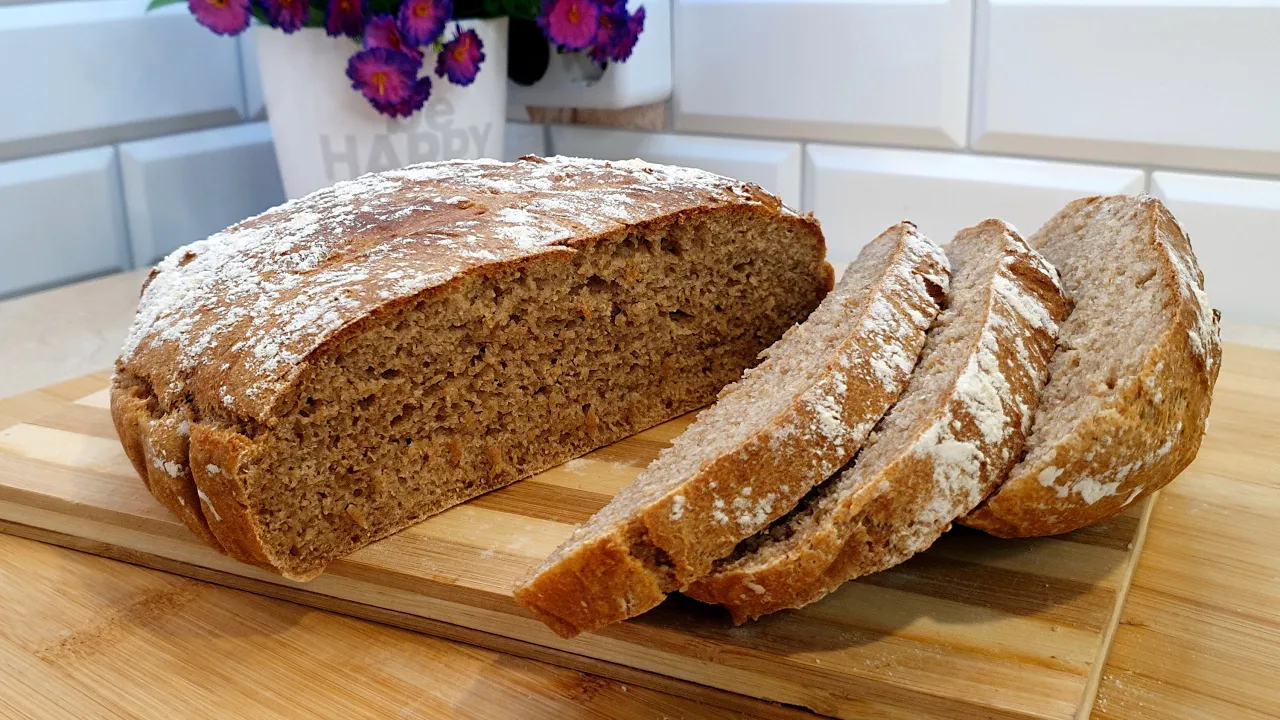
(1129,389)
(947,443)
(746,460)
(339,367)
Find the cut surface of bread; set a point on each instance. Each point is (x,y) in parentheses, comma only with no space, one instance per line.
(325,374)
(1130,385)
(948,442)
(786,426)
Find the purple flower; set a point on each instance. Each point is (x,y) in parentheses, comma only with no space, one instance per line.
(617,35)
(422,21)
(461,57)
(224,17)
(570,24)
(344,17)
(388,80)
(405,108)
(381,32)
(286,15)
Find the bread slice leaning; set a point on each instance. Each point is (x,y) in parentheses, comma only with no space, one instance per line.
(749,458)
(1129,390)
(949,441)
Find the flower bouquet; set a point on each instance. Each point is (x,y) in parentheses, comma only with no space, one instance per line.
(396,36)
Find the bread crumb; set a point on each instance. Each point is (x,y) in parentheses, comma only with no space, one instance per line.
(717,512)
(1091,491)
(205,499)
(677,507)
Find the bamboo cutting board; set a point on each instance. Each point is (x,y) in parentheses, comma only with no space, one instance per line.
(975,627)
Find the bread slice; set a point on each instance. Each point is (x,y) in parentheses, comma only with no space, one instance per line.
(338,368)
(786,426)
(947,443)
(1129,390)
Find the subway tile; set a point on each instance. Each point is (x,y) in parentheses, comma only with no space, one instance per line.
(96,71)
(857,192)
(62,219)
(183,188)
(774,166)
(1181,83)
(866,71)
(1234,224)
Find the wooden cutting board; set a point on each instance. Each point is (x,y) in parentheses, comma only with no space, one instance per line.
(974,628)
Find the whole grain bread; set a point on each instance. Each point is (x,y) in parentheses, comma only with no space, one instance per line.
(1129,390)
(339,367)
(948,442)
(746,460)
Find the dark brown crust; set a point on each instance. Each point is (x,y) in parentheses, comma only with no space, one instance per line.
(215,505)
(155,447)
(1167,401)
(883,520)
(593,586)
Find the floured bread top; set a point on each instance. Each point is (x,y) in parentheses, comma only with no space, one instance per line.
(228,320)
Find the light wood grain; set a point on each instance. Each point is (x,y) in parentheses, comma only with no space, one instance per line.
(1200,634)
(979,627)
(103,639)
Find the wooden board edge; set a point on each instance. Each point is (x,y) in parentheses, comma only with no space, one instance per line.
(753,707)
(1113,624)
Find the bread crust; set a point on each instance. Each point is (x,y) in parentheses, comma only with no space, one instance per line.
(935,467)
(195,362)
(675,538)
(1150,425)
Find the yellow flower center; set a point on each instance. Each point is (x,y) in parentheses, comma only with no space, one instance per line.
(380,82)
(421,10)
(573,14)
(460,53)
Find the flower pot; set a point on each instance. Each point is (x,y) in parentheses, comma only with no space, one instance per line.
(573,80)
(325,131)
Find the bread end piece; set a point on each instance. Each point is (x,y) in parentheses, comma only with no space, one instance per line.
(1131,384)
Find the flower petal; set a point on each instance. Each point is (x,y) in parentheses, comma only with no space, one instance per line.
(345,17)
(570,24)
(461,57)
(224,17)
(422,21)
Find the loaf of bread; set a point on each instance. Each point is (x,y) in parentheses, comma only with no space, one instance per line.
(749,458)
(339,367)
(948,442)
(1129,389)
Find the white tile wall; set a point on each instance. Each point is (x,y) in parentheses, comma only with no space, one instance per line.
(1234,225)
(523,139)
(878,71)
(1068,98)
(183,188)
(1184,83)
(62,219)
(102,70)
(774,166)
(857,192)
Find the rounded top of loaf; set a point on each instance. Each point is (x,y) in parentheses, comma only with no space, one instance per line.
(228,321)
